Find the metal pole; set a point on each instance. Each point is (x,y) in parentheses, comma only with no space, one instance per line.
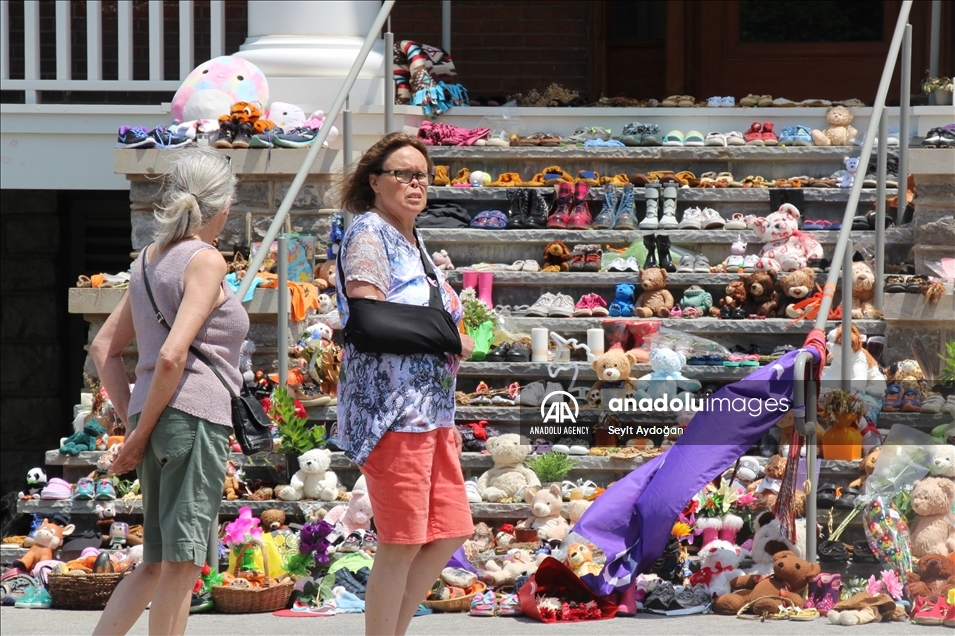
(282,350)
(389,80)
(906,96)
(349,156)
(316,146)
(847,317)
(880,209)
(878,106)
(812,450)
(933,52)
(446,25)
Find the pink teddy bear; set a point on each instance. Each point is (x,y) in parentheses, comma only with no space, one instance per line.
(786,248)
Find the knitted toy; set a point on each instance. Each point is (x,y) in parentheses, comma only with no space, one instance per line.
(666,380)
(863,291)
(933,530)
(696,302)
(839,132)
(622,304)
(793,287)
(718,566)
(786,248)
(545,514)
(47,538)
(655,299)
(213,86)
(613,371)
(761,297)
(509,475)
(84,440)
(313,480)
(790,576)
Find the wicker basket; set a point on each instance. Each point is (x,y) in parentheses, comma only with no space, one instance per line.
(459,604)
(268,598)
(82,591)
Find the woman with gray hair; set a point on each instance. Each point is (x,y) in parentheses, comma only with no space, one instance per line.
(178,415)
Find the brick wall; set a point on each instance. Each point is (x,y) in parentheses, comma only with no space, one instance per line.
(501,47)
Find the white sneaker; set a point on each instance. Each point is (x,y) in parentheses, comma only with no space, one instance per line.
(531,266)
(471,488)
(749,263)
(631,265)
(712,220)
(734,261)
(562,307)
(728,102)
(617,265)
(686,264)
(692,219)
(949,405)
(542,305)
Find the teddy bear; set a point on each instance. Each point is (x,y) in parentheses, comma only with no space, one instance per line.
(768,539)
(231,487)
(84,440)
(613,372)
(655,299)
(866,467)
(761,296)
(785,248)
(793,287)
(106,516)
(734,297)
(665,380)
(47,538)
(719,561)
(622,304)
(576,509)
(545,517)
(509,474)
(357,514)
(863,291)
(936,576)
(516,563)
(556,257)
(839,132)
(867,376)
(325,276)
(942,462)
(933,530)
(849,174)
(313,480)
(272,519)
(791,575)
(580,559)
(442,260)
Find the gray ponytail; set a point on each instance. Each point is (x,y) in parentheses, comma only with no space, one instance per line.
(198,186)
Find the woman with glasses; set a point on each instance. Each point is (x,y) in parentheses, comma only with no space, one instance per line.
(396,410)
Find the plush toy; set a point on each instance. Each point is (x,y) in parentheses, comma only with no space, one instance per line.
(83,441)
(442,260)
(47,538)
(325,275)
(849,175)
(785,248)
(313,480)
(734,262)
(793,287)
(867,377)
(272,519)
(545,517)
(942,463)
(734,297)
(666,380)
(357,514)
(622,304)
(768,540)
(719,561)
(232,487)
(285,116)
(936,576)
(839,132)
(36,481)
(509,474)
(866,468)
(863,291)
(791,575)
(213,86)
(106,513)
(613,371)
(655,299)
(934,527)
(580,559)
(515,564)
(761,297)
(556,257)
(696,302)
(480,541)
(316,121)
(237,127)
(747,472)
(576,509)
(863,608)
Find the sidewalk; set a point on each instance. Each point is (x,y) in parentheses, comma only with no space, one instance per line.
(58,622)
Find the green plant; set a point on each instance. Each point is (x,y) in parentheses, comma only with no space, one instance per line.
(933,84)
(948,363)
(476,311)
(291,421)
(551,467)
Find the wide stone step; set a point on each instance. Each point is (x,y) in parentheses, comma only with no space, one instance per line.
(702,195)
(769,326)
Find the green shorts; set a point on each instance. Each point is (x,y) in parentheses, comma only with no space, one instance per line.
(181,478)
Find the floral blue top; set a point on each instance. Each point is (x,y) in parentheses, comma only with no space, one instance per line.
(387,392)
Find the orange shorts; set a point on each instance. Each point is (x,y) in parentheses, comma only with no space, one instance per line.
(417,488)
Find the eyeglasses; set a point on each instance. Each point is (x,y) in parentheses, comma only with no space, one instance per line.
(405,176)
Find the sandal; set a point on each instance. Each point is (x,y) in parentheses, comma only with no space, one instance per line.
(913,284)
(911,401)
(826,496)
(833,552)
(694,139)
(735,138)
(686,101)
(735,223)
(673,138)
(847,499)
(862,553)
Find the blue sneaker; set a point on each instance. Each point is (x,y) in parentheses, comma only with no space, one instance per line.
(165,139)
(85,489)
(296,138)
(266,139)
(802,137)
(787,136)
(134,137)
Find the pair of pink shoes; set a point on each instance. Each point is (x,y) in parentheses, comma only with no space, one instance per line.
(591,305)
(439,134)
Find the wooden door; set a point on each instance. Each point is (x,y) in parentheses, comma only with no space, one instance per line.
(628,48)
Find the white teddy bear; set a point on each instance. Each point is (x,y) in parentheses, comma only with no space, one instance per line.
(786,248)
(942,463)
(718,566)
(509,474)
(313,480)
(665,381)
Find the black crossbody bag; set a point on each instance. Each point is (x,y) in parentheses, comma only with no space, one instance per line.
(379,326)
(250,423)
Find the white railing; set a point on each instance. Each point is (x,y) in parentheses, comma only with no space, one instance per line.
(32,84)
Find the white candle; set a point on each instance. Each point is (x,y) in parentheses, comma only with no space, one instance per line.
(539,336)
(595,340)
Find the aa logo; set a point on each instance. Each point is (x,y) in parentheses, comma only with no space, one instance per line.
(557,410)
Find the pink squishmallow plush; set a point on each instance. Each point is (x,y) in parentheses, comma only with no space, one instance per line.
(212,87)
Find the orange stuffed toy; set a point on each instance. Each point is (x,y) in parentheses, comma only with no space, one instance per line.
(46,540)
(244,120)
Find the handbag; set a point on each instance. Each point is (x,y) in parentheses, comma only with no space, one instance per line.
(250,423)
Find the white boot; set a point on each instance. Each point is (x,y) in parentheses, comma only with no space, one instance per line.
(650,222)
(669,222)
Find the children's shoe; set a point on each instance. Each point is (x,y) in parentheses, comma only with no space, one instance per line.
(41,599)
(85,489)
(562,307)
(911,401)
(606,216)
(559,218)
(296,138)
(768,136)
(933,610)
(892,400)
(167,140)
(598,307)
(650,221)
(471,488)
(625,218)
(369,541)
(541,306)
(584,307)
(226,134)
(484,604)
(105,489)
(134,137)
(509,605)
(823,593)
(58,489)
(352,543)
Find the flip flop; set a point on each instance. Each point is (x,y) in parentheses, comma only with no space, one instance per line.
(674,138)
(694,139)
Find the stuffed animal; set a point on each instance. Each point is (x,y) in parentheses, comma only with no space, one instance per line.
(313,480)
(556,257)
(849,174)
(545,517)
(863,608)
(734,297)
(272,519)
(933,530)
(863,291)
(106,513)
(791,575)
(285,116)
(785,248)
(622,304)
(213,86)
(696,302)
(84,440)
(768,540)
(839,132)
(866,467)
(655,299)
(747,472)
(936,576)
(36,481)
(613,371)
(509,474)
(442,260)
(734,262)
(867,377)
(480,541)
(576,509)
(357,514)
(761,297)
(719,561)
(942,462)
(666,380)
(793,287)
(47,538)
(232,487)
(516,563)
(580,559)
(326,275)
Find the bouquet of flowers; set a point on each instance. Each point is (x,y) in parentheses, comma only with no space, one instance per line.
(314,547)
(722,511)
(480,321)
(244,531)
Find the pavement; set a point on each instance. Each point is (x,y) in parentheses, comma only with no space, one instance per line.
(59,622)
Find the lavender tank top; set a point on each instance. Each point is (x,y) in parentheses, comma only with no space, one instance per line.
(200,393)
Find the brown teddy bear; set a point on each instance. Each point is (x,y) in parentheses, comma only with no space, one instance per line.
(863,292)
(613,371)
(556,257)
(766,490)
(935,578)
(866,467)
(933,530)
(839,132)
(793,287)
(231,488)
(325,275)
(655,299)
(272,519)
(761,296)
(790,577)
(734,296)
